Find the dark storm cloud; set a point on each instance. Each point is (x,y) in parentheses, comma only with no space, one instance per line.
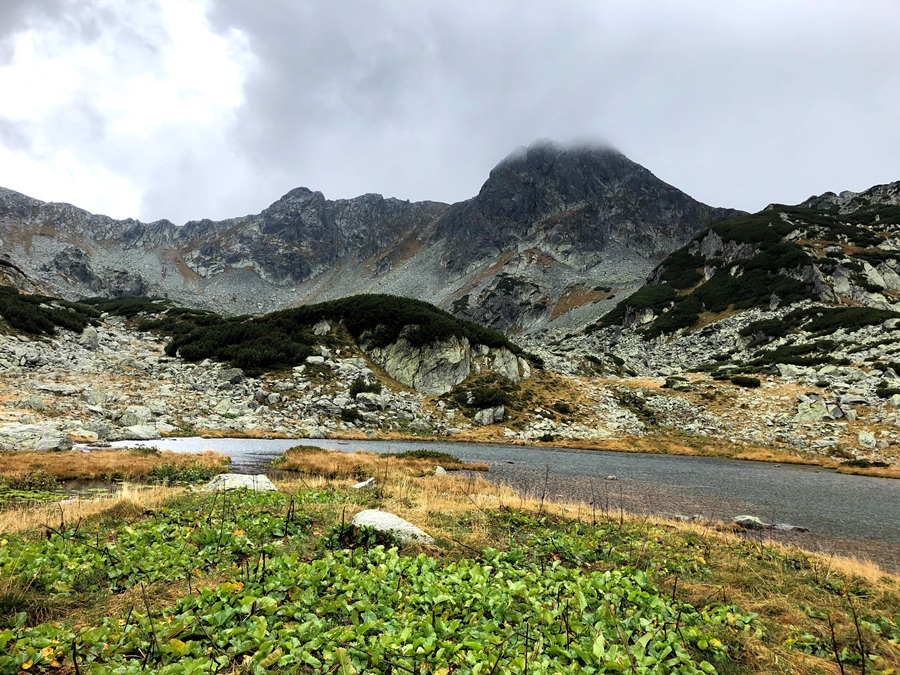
(739,104)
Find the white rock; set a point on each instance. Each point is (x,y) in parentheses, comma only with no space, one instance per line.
(369,483)
(490,415)
(403,531)
(866,439)
(750,523)
(139,432)
(238,481)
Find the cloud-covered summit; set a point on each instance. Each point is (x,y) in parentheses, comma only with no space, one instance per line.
(208,108)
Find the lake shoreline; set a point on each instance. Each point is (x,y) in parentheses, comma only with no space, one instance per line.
(655,444)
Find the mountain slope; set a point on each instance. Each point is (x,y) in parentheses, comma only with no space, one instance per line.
(809,286)
(553,234)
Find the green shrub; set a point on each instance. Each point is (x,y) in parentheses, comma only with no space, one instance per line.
(864,463)
(169,473)
(350,415)
(38,481)
(562,407)
(745,381)
(361,385)
(436,456)
(41,315)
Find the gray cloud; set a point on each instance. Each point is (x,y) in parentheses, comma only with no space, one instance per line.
(740,104)
(13,135)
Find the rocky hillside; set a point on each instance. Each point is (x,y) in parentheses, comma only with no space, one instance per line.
(780,277)
(553,235)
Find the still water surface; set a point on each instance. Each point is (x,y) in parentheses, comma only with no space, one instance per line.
(840,506)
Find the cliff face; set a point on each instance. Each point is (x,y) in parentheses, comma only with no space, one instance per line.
(553,234)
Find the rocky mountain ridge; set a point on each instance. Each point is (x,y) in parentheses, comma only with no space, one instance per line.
(552,236)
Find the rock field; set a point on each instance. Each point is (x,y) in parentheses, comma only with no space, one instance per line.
(115,383)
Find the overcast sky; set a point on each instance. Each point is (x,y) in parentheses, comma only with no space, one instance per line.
(186,109)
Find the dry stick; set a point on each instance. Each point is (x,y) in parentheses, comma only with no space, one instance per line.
(104,551)
(612,613)
(859,638)
(152,627)
(75,657)
(834,645)
(544,491)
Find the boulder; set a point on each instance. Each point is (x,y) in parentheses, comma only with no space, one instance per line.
(750,523)
(321,328)
(866,439)
(419,426)
(368,483)
(225,482)
(401,530)
(90,339)
(102,429)
(231,375)
(139,432)
(490,415)
(506,364)
(315,360)
(370,401)
(94,397)
(431,369)
(58,389)
(136,415)
(33,437)
(811,411)
(32,403)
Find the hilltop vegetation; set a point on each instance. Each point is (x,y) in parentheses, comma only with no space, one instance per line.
(41,315)
(776,257)
(254,343)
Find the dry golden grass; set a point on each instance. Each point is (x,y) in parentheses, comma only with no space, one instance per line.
(129,465)
(129,498)
(332,465)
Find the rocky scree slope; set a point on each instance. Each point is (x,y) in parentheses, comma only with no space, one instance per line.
(139,368)
(553,232)
(790,285)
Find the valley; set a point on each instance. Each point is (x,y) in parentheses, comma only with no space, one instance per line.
(577,304)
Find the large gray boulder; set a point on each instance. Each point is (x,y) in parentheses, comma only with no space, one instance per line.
(811,412)
(136,415)
(90,339)
(371,401)
(401,530)
(225,482)
(33,437)
(140,432)
(490,415)
(231,375)
(751,523)
(57,388)
(430,369)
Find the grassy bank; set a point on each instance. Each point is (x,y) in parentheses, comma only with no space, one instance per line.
(105,465)
(311,460)
(278,583)
(32,477)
